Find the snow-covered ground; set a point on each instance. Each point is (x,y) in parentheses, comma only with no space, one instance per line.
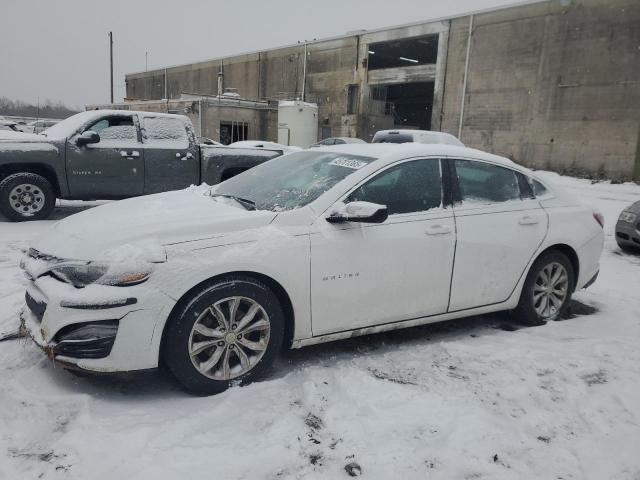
(464,399)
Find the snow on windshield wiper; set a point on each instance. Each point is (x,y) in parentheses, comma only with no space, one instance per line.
(246,203)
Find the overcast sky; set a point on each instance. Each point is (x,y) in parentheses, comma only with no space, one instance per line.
(59,50)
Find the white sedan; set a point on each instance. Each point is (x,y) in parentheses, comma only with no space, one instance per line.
(310,247)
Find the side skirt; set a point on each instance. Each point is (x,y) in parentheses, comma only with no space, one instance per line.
(330,337)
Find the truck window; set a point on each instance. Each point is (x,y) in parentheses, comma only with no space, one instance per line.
(115,128)
(165,130)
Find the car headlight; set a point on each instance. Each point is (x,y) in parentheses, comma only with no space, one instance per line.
(627,216)
(81,274)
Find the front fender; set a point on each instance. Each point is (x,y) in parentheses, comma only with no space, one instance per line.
(283,257)
(17,156)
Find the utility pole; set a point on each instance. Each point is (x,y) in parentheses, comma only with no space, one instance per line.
(111,62)
(146,61)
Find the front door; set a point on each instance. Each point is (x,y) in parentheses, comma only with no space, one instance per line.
(170,154)
(111,168)
(500,227)
(370,274)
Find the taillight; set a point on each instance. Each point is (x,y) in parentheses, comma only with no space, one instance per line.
(599,218)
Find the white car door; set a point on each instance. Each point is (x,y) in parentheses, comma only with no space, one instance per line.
(499,228)
(370,274)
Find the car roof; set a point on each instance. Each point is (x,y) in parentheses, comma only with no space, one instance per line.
(420,136)
(348,139)
(392,152)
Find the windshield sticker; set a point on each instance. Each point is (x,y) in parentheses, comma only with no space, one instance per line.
(348,163)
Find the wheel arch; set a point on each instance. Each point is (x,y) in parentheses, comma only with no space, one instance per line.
(277,289)
(41,169)
(571,254)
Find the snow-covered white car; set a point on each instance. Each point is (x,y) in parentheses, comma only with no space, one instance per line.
(265,145)
(310,247)
(337,141)
(416,136)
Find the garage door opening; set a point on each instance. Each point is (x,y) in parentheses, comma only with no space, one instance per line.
(409,104)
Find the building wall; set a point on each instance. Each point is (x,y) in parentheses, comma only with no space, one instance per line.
(553,85)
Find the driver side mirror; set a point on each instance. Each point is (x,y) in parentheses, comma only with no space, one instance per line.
(87,137)
(364,212)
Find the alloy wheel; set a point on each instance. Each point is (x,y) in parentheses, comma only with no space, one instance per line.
(550,290)
(229,338)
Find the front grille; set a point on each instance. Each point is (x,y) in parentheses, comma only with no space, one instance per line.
(38,308)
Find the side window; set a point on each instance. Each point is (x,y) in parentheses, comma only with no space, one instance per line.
(115,128)
(165,130)
(484,183)
(413,186)
(538,189)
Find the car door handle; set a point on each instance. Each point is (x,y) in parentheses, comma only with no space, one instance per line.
(527,220)
(130,154)
(438,230)
(186,156)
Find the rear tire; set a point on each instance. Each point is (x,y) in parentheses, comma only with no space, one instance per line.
(224,334)
(547,290)
(26,196)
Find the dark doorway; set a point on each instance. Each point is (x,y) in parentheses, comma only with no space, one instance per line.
(410,104)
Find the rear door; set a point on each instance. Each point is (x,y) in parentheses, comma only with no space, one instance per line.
(170,152)
(499,228)
(111,168)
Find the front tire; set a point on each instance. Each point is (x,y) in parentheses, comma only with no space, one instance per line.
(225,333)
(547,289)
(627,248)
(26,196)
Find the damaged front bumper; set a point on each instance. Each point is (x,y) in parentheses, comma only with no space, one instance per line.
(96,329)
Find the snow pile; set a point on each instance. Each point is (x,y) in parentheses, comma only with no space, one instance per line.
(463,399)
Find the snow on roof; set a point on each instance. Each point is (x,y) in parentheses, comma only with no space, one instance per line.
(75,122)
(391,152)
(422,136)
(296,103)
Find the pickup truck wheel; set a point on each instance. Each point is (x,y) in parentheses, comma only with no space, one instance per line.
(26,196)
(227,333)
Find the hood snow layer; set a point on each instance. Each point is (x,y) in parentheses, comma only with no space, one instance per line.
(149,221)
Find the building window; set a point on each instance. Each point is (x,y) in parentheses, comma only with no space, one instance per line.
(231,132)
(407,52)
(353,92)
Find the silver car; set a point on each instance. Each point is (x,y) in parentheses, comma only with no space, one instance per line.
(628,228)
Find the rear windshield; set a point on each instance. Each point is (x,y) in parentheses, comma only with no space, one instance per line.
(392,138)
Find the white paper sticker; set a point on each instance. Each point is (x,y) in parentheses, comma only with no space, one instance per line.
(348,163)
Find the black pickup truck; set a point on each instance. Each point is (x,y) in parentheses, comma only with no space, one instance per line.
(110,154)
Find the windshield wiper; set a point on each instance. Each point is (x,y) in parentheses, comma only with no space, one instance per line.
(246,203)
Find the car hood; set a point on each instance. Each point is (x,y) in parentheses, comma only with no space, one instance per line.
(143,226)
(13,136)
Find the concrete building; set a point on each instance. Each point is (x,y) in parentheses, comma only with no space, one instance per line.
(552,84)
